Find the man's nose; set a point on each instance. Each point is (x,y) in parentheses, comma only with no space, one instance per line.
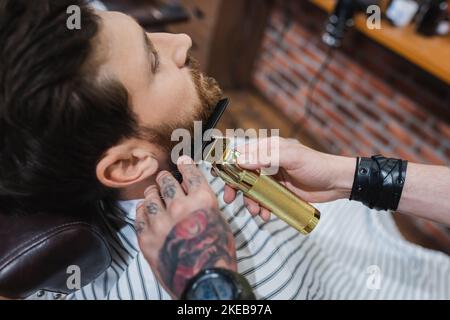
(182,43)
(172,46)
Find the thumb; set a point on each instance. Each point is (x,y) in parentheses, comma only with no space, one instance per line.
(251,161)
(260,154)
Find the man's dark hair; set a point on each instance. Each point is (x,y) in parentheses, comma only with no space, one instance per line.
(56,119)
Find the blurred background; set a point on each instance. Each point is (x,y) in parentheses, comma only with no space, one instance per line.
(321,71)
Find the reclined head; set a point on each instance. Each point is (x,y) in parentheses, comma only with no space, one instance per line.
(86,114)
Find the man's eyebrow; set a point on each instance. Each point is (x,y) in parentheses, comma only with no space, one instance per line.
(150,52)
(149,48)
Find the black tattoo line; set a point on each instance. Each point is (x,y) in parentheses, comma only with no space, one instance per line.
(169,189)
(140,225)
(194,178)
(152,208)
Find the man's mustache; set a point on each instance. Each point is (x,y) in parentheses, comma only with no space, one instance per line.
(191,62)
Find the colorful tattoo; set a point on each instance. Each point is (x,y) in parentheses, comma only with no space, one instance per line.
(196,243)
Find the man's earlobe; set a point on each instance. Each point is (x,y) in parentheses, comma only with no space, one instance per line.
(124,166)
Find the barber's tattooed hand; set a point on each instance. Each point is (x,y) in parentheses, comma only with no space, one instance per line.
(184,232)
(152,208)
(168,187)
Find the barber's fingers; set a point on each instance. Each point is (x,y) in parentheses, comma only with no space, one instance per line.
(270,152)
(251,161)
(145,223)
(259,154)
(256,209)
(150,210)
(265,214)
(142,223)
(153,204)
(193,179)
(253,207)
(169,187)
(229,194)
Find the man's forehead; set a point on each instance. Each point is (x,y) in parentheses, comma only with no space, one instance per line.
(118,30)
(120,45)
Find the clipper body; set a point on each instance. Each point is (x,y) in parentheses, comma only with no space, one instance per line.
(265,190)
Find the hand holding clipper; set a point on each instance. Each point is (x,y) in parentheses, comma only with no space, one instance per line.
(261,188)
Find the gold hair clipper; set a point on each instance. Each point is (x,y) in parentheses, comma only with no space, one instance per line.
(261,188)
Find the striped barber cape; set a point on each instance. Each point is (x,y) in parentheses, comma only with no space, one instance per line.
(354,253)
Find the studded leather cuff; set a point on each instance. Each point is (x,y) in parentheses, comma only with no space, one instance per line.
(379,181)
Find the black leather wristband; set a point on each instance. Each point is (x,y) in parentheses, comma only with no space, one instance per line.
(361,180)
(379,181)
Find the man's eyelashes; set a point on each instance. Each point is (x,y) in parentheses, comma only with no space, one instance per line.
(155,62)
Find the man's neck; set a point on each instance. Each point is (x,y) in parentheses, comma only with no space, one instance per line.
(135,191)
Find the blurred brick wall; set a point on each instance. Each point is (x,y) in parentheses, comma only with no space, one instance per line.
(369,99)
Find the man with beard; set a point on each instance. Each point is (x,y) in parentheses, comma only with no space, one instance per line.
(86,118)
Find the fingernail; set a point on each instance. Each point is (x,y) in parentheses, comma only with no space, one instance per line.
(161,174)
(147,191)
(242,159)
(185,160)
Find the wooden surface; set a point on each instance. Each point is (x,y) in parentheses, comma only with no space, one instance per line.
(431,54)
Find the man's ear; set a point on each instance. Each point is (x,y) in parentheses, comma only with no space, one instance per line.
(127,164)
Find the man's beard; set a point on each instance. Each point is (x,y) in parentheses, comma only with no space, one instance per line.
(209,94)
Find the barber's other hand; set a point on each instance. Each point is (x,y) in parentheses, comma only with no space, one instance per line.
(184,233)
(312,175)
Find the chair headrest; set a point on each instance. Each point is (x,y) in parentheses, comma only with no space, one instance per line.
(38,252)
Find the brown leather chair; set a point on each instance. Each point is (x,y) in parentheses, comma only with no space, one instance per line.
(36,251)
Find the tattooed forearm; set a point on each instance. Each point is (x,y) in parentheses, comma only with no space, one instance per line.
(203,240)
